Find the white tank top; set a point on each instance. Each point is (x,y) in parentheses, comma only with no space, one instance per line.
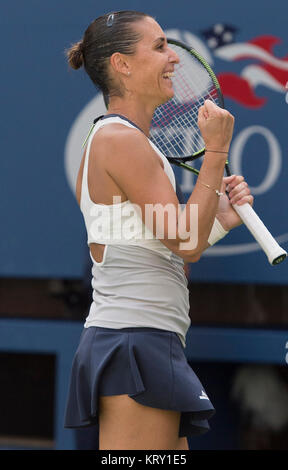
(139,282)
(118,223)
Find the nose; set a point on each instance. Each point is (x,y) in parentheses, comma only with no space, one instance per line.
(173,57)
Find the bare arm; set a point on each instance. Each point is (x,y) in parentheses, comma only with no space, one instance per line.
(135,168)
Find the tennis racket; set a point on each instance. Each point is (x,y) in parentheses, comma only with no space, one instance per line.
(175,131)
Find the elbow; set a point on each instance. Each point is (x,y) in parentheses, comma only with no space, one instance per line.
(193,258)
(189,254)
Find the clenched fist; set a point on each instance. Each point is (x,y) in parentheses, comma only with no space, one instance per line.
(216,126)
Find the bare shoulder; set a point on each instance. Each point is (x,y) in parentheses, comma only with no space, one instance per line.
(120,144)
(111,135)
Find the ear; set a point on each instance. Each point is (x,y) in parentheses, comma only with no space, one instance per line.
(120,63)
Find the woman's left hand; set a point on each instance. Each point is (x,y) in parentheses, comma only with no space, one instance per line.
(239,193)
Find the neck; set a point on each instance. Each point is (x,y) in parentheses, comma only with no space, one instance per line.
(136,112)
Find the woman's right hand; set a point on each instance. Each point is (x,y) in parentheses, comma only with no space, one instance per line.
(216,126)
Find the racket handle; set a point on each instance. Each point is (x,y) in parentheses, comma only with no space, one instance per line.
(274,252)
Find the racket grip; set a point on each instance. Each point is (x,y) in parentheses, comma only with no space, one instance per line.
(274,252)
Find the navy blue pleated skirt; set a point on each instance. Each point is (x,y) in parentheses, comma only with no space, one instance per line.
(148,364)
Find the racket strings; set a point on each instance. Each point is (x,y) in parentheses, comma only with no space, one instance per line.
(175,124)
(185,119)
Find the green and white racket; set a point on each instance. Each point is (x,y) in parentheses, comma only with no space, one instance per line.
(175,131)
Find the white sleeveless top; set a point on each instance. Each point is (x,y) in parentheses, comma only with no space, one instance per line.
(139,282)
(118,223)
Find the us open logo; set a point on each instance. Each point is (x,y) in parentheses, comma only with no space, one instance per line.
(268,71)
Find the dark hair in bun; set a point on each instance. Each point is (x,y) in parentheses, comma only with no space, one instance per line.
(106,35)
(75,55)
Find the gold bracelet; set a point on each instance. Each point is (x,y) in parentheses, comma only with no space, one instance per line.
(216,151)
(209,187)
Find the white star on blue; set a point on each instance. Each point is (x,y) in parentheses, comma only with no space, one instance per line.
(219,34)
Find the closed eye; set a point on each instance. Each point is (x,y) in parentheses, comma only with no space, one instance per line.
(160,43)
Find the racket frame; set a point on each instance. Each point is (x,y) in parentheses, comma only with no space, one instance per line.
(274,252)
(181,161)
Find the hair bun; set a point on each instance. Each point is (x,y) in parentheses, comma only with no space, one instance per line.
(75,55)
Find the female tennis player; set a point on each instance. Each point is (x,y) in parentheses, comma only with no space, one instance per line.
(130,374)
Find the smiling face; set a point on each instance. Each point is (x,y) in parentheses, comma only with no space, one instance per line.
(146,75)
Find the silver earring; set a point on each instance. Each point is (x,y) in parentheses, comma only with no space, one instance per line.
(128,73)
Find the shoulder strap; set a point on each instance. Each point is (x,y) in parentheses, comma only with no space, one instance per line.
(97,123)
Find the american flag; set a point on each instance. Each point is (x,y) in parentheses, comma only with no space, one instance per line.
(260,65)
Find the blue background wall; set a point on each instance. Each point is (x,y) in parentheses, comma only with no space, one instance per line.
(46,106)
